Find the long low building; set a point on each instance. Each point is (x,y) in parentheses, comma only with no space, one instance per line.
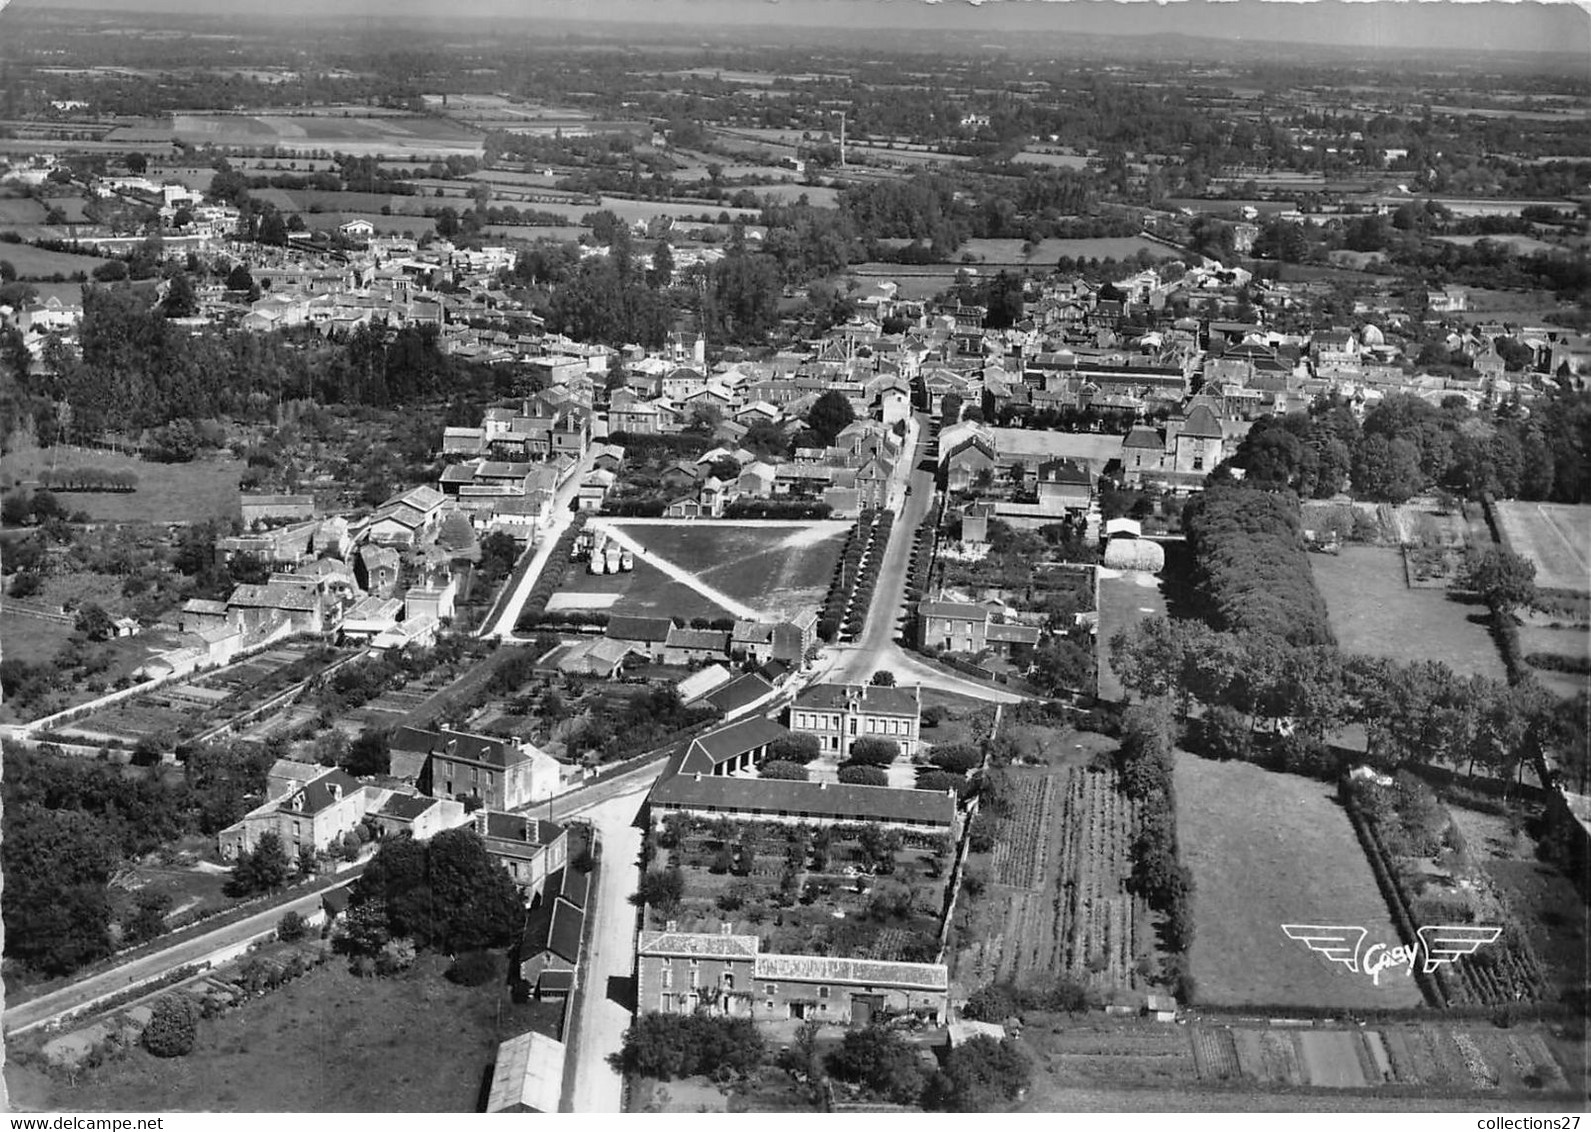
(681,972)
(821,803)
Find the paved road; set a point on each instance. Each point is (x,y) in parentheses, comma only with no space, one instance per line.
(610,968)
(207,947)
(878,647)
(561,518)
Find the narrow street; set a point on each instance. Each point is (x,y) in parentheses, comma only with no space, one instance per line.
(878,647)
(209,947)
(609,998)
(561,518)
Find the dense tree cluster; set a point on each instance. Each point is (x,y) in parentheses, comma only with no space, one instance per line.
(447,893)
(1250,566)
(668,1046)
(70,823)
(1407,445)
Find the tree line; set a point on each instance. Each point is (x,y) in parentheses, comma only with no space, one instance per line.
(1407,445)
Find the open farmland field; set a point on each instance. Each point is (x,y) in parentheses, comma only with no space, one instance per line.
(384,225)
(1053,160)
(1268,849)
(1555,536)
(1125,598)
(167,493)
(1373,611)
(358,133)
(631,211)
(21,210)
(1048,251)
(327,1042)
(1516,243)
(914,282)
(781,568)
(40,263)
(32,640)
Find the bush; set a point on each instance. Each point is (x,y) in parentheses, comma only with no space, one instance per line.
(785,771)
(472,969)
(957,758)
(290,927)
(854,775)
(173,1028)
(874,752)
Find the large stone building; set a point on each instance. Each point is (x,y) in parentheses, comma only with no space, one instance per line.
(682,972)
(840,714)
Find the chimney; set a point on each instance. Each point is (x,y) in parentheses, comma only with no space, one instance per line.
(823,785)
(671,926)
(726,929)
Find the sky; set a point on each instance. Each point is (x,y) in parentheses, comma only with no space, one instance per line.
(1479,25)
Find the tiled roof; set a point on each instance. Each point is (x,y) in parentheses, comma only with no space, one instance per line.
(459,745)
(875,699)
(649,629)
(737,738)
(698,944)
(714,640)
(407,807)
(804,799)
(320,793)
(861,972)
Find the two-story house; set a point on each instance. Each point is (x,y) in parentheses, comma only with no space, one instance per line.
(840,714)
(504,774)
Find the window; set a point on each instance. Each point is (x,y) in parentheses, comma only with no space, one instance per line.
(771,988)
(668,975)
(1198,463)
(696,976)
(823,992)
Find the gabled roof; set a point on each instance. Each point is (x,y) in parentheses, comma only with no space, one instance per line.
(710,945)
(861,972)
(646,629)
(738,693)
(803,799)
(715,747)
(713,640)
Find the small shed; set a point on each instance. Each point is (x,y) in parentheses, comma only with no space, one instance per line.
(528,1075)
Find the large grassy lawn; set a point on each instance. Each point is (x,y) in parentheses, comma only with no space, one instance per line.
(779,569)
(643,592)
(166,493)
(31,640)
(40,263)
(328,1042)
(1373,611)
(1268,849)
(1125,598)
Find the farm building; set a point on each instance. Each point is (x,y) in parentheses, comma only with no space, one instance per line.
(1127,549)
(681,972)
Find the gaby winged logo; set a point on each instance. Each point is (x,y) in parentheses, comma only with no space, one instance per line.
(1437,944)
